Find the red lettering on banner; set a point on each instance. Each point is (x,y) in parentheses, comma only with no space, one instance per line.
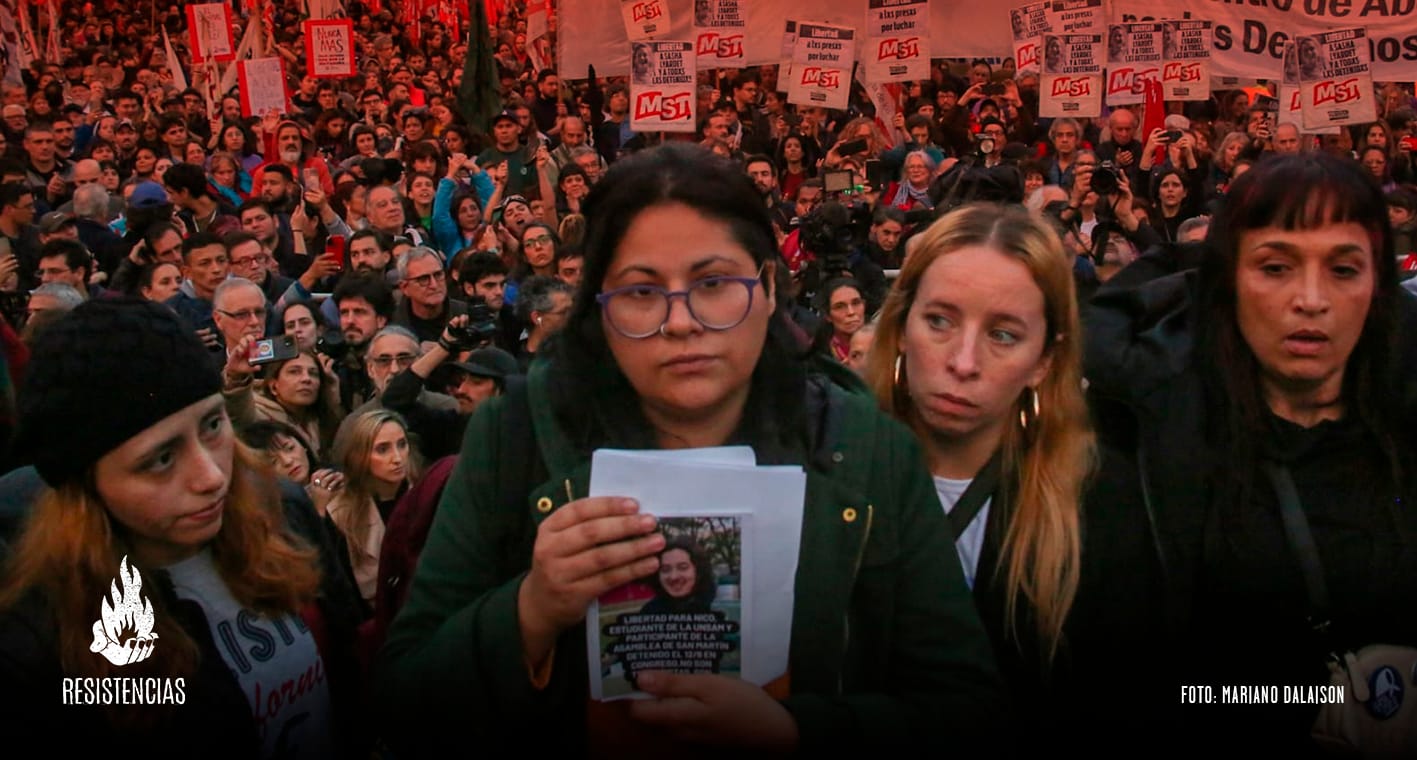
(898,49)
(1028,55)
(647,11)
(1063,87)
(1182,72)
(1129,80)
(1295,103)
(656,105)
(1336,92)
(724,46)
(815,76)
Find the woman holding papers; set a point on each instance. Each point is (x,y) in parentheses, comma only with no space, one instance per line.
(977,349)
(678,340)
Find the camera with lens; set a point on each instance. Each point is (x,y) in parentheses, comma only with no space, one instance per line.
(984,144)
(481,327)
(332,344)
(1104,178)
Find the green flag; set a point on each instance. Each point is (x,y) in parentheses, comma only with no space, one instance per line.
(478,97)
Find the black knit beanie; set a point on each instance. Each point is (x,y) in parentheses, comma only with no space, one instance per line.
(107,371)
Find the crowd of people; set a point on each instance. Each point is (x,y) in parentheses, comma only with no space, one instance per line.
(1088,415)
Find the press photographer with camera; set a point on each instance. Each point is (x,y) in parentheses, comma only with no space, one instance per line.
(461,365)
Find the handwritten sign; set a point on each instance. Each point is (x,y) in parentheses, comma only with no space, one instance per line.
(209,25)
(262,85)
(329,48)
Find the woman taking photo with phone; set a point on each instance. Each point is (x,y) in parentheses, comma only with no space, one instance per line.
(977,350)
(1257,415)
(677,340)
(302,391)
(153,505)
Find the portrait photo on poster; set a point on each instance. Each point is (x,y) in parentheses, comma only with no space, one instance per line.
(687,617)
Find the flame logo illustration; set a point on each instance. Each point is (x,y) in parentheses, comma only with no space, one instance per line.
(124,634)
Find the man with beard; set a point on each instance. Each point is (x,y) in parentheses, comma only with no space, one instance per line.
(764,175)
(64,138)
(484,276)
(286,141)
(125,141)
(365,303)
(370,251)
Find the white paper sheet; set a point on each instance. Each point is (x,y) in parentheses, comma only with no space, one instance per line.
(694,483)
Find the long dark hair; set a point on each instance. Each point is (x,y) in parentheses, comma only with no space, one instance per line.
(1296,193)
(705,585)
(592,399)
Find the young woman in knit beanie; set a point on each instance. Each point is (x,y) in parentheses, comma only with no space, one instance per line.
(157,575)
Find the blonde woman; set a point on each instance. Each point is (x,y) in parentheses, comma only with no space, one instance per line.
(977,350)
(379,464)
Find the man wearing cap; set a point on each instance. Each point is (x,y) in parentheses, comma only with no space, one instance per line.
(125,141)
(470,381)
(507,147)
(57,225)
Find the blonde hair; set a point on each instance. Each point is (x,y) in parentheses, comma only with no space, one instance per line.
(354,443)
(1047,465)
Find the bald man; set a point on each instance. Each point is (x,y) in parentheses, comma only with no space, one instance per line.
(88,172)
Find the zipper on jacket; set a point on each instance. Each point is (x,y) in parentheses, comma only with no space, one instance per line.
(846,617)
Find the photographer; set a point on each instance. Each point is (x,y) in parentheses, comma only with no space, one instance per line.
(470,381)
(833,239)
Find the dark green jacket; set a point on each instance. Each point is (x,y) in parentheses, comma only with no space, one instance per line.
(887,650)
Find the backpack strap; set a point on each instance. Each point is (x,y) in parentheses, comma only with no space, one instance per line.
(985,483)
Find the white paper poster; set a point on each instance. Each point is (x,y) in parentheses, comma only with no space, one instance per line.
(1029,23)
(1076,17)
(720,32)
(1291,104)
(1072,76)
(1335,78)
(209,25)
(262,83)
(897,41)
(1185,52)
(1133,57)
(329,48)
(662,91)
(821,65)
(645,19)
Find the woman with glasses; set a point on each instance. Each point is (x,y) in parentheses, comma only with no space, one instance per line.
(844,306)
(677,339)
(538,255)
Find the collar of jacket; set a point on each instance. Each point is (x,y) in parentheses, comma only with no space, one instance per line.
(837,517)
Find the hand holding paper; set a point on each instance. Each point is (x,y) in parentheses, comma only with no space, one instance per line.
(711,709)
(583,550)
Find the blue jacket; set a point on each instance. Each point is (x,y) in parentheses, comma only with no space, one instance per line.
(446,235)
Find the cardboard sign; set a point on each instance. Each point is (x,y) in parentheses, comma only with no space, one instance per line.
(645,19)
(897,41)
(329,49)
(1185,53)
(821,65)
(262,84)
(1071,84)
(209,25)
(662,89)
(1335,78)
(1029,23)
(720,33)
(1133,57)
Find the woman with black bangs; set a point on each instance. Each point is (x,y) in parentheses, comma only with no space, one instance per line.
(676,340)
(1265,390)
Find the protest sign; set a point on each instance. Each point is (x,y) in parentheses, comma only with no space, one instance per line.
(209,25)
(645,19)
(1335,78)
(329,48)
(1185,53)
(1072,76)
(821,65)
(897,42)
(1028,24)
(1076,17)
(1133,57)
(1290,108)
(662,87)
(262,85)
(720,30)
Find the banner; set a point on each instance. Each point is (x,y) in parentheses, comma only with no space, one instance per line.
(1072,76)
(662,87)
(821,65)
(720,30)
(1335,79)
(897,44)
(1133,57)
(1185,70)
(1249,36)
(262,82)
(645,18)
(329,48)
(1028,24)
(209,25)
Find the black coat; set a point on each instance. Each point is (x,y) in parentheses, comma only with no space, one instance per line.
(1181,585)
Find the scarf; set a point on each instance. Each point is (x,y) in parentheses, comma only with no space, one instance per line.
(907,196)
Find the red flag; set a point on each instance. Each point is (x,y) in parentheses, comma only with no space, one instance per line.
(1153,116)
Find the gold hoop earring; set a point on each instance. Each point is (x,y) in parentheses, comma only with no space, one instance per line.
(897,368)
(1023,409)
